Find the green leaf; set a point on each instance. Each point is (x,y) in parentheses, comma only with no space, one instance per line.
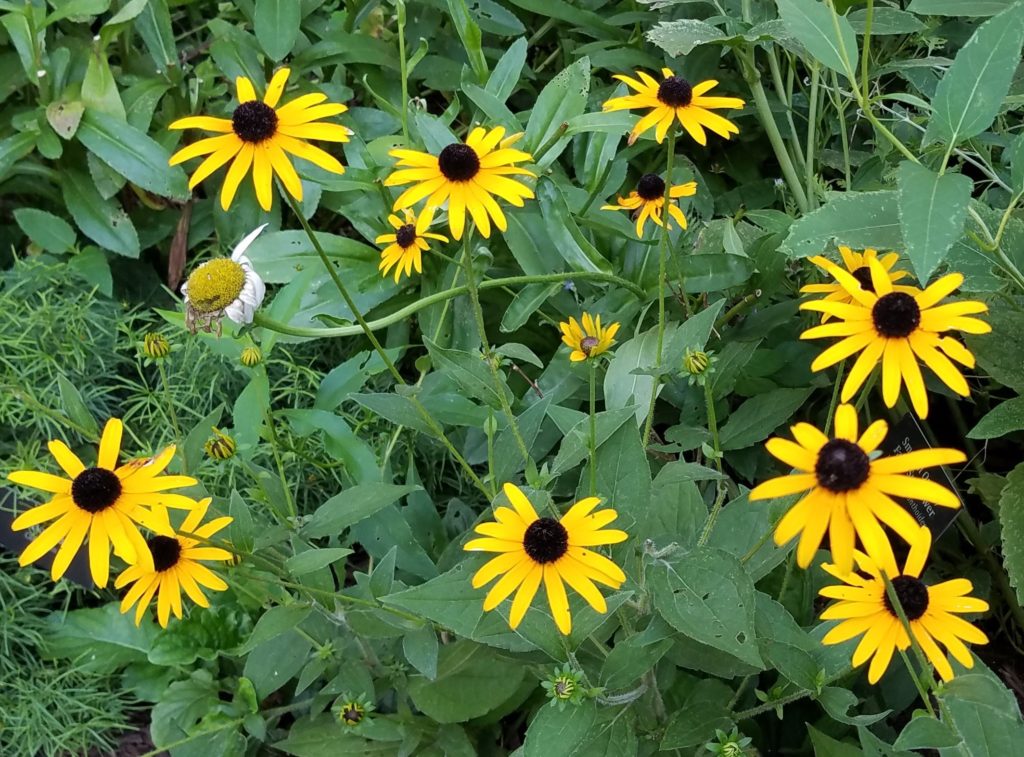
(826,35)
(241,529)
(101,639)
(971,93)
(885,21)
(1011,523)
(623,387)
(393,407)
(1001,420)
(469,33)
(103,221)
(959,7)
(559,733)
(314,559)
(351,506)
(826,746)
(421,650)
(50,232)
(984,713)
(632,658)
(64,117)
(276,23)
(784,645)
(75,407)
(13,149)
(562,98)
(924,732)
(705,708)
(564,234)
(838,703)
(470,374)
(132,154)
(758,416)
(857,219)
(932,213)
(274,622)
(128,11)
(471,682)
(1016,151)
(99,90)
(525,304)
(274,663)
(77,8)
(507,71)
(154,26)
(999,351)
(575,443)
(680,37)
(713,272)
(706,595)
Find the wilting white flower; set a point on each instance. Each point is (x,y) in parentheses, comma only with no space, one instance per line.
(224,287)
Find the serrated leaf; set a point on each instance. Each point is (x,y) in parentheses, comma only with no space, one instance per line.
(932,213)
(826,35)
(469,372)
(857,219)
(1003,419)
(680,37)
(1011,524)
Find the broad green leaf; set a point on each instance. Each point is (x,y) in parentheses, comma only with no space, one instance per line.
(1016,150)
(314,559)
(274,663)
(470,373)
(101,639)
(826,35)
(623,387)
(575,443)
(276,23)
(631,659)
(984,713)
(13,149)
(826,746)
(351,506)
(924,732)
(1003,419)
(154,26)
(469,33)
(50,232)
(562,98)
(885,21)
(623,476)
(99,90)
(79,9)
(103,221)
(1011,522)
(693,723)
(857,219)
(713,272)
(560,733)
(706,595)
(525,304)
(241,530)
(421,649)
(758,416)
(972,91)
(838,703)
(505,76)
(998,352)
(680,37)
(959,7)
(274,622)
(784,645)
(471,681)
(132,154)
(932,213)
(564,234)
(127,12)
(75,406)
(393,407)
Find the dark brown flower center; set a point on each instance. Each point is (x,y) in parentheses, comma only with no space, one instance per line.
(545,540)
(406,235)
(254,121)
(588,343)
(650,187)
(95,489)
(458,162)
(863,276)
(912,594)
(896,315)
(842,466)
(675,92)
(166,551)
(352,715)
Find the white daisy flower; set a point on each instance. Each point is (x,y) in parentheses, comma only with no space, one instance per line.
(224,287)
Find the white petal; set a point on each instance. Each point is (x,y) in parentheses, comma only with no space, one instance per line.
(244,244)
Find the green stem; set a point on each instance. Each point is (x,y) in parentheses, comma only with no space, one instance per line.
(171,411)
(812,124)
(404,68)
(769,706)
(835,397)
(593,427)
(716,508)
(894,603)
(289,500)
(662,262)
(764,113)
(865,52)
(402,314)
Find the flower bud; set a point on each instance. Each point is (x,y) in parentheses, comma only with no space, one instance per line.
(251,357)
(220,446)
(156,346)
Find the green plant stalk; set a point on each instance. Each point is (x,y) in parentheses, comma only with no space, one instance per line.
(593,426)
(812,125)
(365,327)
(662,263)
(404,63)
(171,411)
(716,508)
(835,397)
(489,356)
(289,500)
(764,113)
(894,602)
(840,106)
(769,706)
(785,97)
(313,332)
(866,49)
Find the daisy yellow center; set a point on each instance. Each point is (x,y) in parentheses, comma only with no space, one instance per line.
(406,236)
(166,552)
(650,187)
(896,315)
(545,540)
(588,343)
(458,162)
(95,489)
(912,594)
(842,466)
(863,276)
(352,713)
(675,92)
(254,122)
(215,284)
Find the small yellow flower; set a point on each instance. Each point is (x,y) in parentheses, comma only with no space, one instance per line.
(864,608)
(463,177)
(897,329)
(648,201)
(534,549)
(406,246)
(176,566)
(260,136)
(220,446)
(675,99)
(590,340)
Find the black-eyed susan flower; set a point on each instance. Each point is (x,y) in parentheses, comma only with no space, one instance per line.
(857,265)
(896,329)
(534,549)
(648,201)
(351,711)
(848,492)
(406,246)
(155,346)
(260,136)
(224,287)
(588,340)
(220,446)
(176,565)
(675,99)
(102,504)
(864,608)
(465,176)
